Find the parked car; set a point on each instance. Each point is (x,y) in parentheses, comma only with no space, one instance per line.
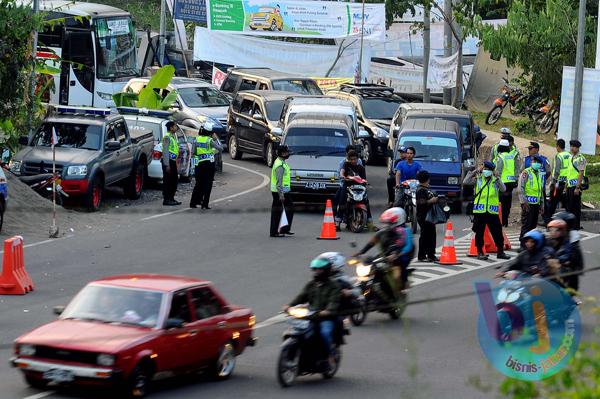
(156,122)
(267,18)
(3,196)
(440,150)
(317,144)
(95,149)
(298,105)
(122,331)
(376,106)
(239,79)
(197,102)
(254,123)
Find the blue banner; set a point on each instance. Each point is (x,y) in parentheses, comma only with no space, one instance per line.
(190,10)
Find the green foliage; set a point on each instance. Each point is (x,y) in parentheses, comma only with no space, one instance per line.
(149,96)
(525,127)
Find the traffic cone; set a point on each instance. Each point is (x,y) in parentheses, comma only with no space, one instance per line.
(490,245)
(507,244)
(14,279)
(448,251)
(473,249)
(328,228)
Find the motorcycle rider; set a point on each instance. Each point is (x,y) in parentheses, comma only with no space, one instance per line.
(323,295)
(339,193)
(567,253)
(391,180)
(352,168)
(396,243)
(534,259)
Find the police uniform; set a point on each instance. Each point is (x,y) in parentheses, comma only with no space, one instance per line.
(507,166)
(530,193)
(170,177)
(204,171)
(559,181)
(281,178)
(576,165)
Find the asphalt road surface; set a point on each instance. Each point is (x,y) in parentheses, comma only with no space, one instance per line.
(432,352)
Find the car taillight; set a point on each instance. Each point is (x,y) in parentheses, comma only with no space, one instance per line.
(156,154)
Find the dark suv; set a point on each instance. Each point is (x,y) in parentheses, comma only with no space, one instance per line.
(375,107)
(253,123)
(240,79)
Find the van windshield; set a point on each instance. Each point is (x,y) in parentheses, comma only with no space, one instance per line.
(69,135)
(274,109)
(464,124)
(380,108)
(302,86)
(431,148)
(317,141)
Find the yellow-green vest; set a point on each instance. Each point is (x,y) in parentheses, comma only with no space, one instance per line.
(488,200)
(565,160)
(204,151)
(508,166)
(533,187)
(173,146)
(287,175)
(572,173)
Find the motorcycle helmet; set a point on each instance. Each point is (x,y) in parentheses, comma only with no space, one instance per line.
(568,217)
(537,236)
(505,131)
(559,224)
(338,261)
(393,217)
(321,262)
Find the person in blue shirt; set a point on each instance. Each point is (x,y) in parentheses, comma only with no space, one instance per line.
(407,169)
(545,170)
(340,192)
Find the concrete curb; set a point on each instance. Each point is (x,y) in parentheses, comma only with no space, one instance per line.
(590,214)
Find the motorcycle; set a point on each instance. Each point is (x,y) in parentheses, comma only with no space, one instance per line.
(303,351)
(356,204)
(42,184)
(406,198)
(511,96)
(379,291)
(546,118)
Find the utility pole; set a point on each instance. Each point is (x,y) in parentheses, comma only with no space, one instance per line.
(362,36)
(426,50)
(447,43)
(578,91)
(36,10)
(162,32)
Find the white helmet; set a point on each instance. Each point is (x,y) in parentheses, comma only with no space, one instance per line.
(505,130)
(338,261)
(393,217)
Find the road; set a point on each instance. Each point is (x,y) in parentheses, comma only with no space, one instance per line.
(432,352)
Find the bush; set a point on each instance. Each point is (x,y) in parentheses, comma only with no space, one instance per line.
(525,127)
(593,170)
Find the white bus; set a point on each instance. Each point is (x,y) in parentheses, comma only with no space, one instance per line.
(99,41)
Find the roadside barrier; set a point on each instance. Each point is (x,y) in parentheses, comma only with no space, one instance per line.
(328,228)
(14,279)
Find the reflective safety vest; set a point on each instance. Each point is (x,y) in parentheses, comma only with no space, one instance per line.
(533,187)
(488,200)
(508,166)
(494,153)
(204,151)
(173,146)
(572,172)
(563,167)
(287,175)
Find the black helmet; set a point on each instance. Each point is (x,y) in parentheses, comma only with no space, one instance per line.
(281,149)
(568,217)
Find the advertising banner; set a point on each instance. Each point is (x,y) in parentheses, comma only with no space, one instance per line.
(190,10)
(299,18)
(442,71)
(331,83)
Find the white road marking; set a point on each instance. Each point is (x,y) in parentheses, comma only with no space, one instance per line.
(265,181)
(40,395)
(425,274)
(35,244)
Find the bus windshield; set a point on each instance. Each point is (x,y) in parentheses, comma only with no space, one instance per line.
(115,47)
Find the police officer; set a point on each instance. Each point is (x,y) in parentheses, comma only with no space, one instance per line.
(203,152)
(281,178)
(486,203)
(575,174)
(531,196)
(506,133)
(534,151)
(169,164)
(562,159)
(507,167)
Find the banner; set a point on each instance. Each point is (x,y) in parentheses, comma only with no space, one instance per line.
(218,76)
(331,83)
(190,10)
(297,18)
(442,72)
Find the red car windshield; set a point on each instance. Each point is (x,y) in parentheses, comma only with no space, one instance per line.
(116,305)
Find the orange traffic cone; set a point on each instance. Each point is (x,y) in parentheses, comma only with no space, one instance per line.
(473,249)
(14,279)
(507,244)
(448,251)
(328,228)
(490,245)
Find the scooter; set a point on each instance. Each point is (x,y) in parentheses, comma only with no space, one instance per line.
(356,206)
(303,351)
(42,184)
(406,198)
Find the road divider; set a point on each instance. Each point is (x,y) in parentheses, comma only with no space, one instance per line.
(14,279)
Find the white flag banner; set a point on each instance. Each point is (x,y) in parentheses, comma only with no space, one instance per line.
(442,72)
(54,137)
(283,221)
(218,76)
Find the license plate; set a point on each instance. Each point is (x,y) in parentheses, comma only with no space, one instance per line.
(315,185)
(58,375)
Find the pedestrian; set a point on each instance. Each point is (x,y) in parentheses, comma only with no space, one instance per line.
(531,196)
(391,180)
(340,192)
(562,159)
(203,152)
(488,188)
(507,167)
(280,189)
(575,174)
(169,164)
(534,151)
(425,199)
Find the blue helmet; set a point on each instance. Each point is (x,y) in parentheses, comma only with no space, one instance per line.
(321,262)
(536,236)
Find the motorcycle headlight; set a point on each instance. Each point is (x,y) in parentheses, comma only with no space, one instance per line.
(298,312)
(105,360)
(15,167)
(453,180)
(26,350)
(381,133)
(363,270)
(77,170)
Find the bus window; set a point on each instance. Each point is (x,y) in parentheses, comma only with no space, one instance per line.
(115,47)
(80,52)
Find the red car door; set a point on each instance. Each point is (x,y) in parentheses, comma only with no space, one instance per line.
(213,334)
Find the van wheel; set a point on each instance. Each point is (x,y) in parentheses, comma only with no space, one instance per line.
(234,151)
(270,155)
(368,152)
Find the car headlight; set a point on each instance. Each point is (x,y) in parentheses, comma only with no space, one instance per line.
(77,170)
(363,270)
(105,96)
(381,133)
(453,180)
(26,350)
(204,119)
(105,360)
(15,167)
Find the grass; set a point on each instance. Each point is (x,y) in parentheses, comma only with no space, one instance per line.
(513,125)
(593,193)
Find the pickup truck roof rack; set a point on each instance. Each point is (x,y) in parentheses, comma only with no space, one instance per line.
(367,89)
(83,111)
(145,111)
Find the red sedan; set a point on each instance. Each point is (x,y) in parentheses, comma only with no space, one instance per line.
(123,331)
